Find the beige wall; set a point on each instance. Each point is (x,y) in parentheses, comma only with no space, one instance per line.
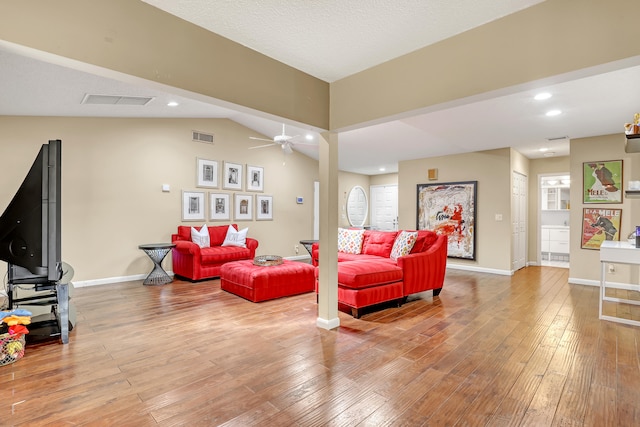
(540,167)
(584,263)
(492,170)
(112,176)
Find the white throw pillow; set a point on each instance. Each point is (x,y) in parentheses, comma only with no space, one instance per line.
(201,238)
(236,238)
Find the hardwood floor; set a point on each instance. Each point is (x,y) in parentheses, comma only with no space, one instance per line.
(526,350)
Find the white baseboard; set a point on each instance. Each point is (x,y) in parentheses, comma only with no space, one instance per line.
(480,269)
(328,323)
(111,280)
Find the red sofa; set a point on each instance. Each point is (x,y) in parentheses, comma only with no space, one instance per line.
(368,275)
(192,262)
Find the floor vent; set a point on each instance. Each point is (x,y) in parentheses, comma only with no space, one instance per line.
(202,137)
(116,100)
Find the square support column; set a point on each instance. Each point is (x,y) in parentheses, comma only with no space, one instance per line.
(328,274)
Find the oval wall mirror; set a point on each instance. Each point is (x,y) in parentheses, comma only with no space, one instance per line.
(357,206)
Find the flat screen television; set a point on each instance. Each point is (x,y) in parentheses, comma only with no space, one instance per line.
(30,240)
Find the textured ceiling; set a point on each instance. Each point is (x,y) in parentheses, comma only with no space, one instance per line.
(331,39)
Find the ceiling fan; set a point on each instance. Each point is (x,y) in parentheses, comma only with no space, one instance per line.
(285,141)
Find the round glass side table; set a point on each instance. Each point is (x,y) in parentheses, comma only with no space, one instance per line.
(157,252)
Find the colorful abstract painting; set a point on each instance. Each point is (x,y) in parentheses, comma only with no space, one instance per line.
(450,209)
(599,225)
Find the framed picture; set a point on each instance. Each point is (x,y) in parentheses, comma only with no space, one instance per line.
(602,181)
(255,178)
(598,225)
(193,206)
(450,209)
(232,178)
(219,207)
(264,208)
(207,173)
(243,207)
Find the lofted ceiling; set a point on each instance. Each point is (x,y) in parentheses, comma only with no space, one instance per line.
(348,37)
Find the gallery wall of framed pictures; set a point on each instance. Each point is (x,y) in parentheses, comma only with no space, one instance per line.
(220,205)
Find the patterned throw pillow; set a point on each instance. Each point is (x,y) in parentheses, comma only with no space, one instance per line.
(350,241)
(403,244)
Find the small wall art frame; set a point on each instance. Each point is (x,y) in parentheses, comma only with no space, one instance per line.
(219,207)
(207,173)
(242,207)
(255,178)
(264,208)
(193,206)
(602,181)
(232,176)
(598,225)
(450,208)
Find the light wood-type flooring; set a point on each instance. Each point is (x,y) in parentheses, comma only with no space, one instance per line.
(491,350)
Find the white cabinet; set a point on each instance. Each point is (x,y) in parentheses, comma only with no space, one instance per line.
(555,198)
(555,240)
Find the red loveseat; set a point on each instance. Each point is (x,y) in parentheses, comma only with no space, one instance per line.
(192,262)
(369,275)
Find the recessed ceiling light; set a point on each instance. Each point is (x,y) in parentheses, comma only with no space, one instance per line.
(172,104)
(309,137)
(549,154)
(543,149)
(542,96)
(553,113)
(382,169)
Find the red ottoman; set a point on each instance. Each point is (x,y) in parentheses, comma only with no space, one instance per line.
(257,283)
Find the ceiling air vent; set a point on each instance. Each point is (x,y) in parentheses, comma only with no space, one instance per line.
(202,137)
(557,138)
(116,100)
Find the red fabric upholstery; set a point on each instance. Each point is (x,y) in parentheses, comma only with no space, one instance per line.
(378,243)
(195,263)
(360,276)
(365,274)
(257,283)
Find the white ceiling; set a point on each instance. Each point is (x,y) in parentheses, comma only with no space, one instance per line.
(347,37)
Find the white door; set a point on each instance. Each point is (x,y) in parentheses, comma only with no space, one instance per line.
(384,207)
(519,221)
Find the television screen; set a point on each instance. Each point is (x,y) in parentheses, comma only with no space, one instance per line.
(30,225)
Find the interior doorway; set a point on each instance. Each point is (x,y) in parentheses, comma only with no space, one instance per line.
(554,220)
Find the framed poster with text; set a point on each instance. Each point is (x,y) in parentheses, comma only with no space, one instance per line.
(598,225)
(602,181)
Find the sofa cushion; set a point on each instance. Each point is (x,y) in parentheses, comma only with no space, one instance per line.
(363,274)
(236,238)
(350,241)
(378,243)
(222,254)
(200,237)
(425,239)
(219,232)
(342,257)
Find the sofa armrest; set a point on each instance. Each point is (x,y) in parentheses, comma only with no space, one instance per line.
(186,247)
(252,245)
(424,271)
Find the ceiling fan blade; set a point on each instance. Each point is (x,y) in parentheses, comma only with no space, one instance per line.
(287,148)
(262,146)
(260,139)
